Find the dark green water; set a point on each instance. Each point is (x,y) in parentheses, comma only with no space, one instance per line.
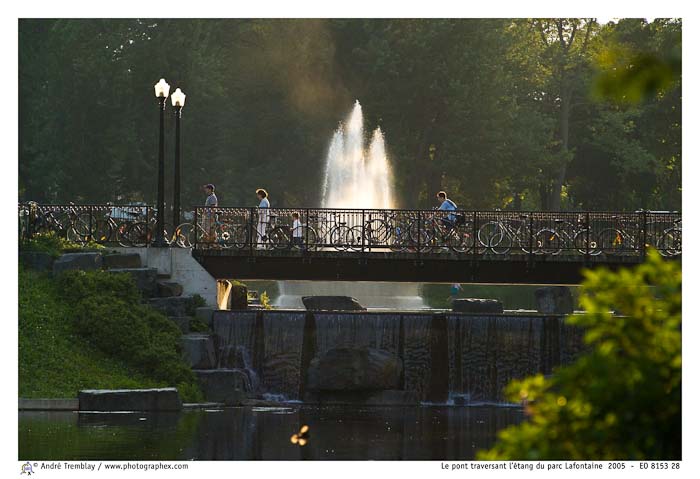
(251,433)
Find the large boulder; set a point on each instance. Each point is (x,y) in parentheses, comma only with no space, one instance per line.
(477,306)
(554,300)
(174,306)
(228,386)
(355,369)
(164,399)
(77,261)
(331,303)
(145,278)
(167,289)
(198,351)
(36,260)
(121,261)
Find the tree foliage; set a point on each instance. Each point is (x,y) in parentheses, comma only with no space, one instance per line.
(623,400)
(522,113)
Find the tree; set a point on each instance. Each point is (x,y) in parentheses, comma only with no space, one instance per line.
(622,401)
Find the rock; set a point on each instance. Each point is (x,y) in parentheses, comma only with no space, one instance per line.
(36,260)
(166,289)
(206,314)
(198,351)
(389,397)
(164,399)
(77,261)
(145,278)
(228,386)
(475,305)
(174,306)
(238,297)
(182,322)
(554,300)
(350,369)
(122,261)
(331,303)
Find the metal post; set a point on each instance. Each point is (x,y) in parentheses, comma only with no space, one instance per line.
(176,183)
(251,234)
(643,236)
(530,252)
(196,225)
(90,237)
(588,236)
(474,237)
(160,218)
(306,230)
(363,230)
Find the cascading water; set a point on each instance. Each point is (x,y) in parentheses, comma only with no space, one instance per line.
(356,177)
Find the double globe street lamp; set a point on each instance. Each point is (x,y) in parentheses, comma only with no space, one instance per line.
(162,90)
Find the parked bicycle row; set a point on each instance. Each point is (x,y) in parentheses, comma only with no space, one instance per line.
(494,232)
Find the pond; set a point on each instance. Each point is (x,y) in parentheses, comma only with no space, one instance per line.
(253,433)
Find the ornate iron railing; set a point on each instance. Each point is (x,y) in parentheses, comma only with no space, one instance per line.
(533,233)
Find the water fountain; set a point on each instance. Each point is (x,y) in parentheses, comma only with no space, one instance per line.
(356,177)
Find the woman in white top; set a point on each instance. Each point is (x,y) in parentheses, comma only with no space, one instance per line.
(263,217)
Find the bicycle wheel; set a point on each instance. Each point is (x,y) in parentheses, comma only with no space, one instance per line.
(240,235)
(611,241)
(421,235)
(338,237)
(138,234)
(399,239)
(85,226)
(224,234)
(547,241)
(494,237)
(103,231)
(353,238)
(121,235)
(460,240)
(586,243)
(669,244)
(183,236)
(279,239)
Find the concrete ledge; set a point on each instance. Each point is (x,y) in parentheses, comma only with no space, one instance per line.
(164,399)
(48,404)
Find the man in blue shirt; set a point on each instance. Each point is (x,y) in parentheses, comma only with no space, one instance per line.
(447,205)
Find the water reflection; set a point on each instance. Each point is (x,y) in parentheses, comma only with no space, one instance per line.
(378,433)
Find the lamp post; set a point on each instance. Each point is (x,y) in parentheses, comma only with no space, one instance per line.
(162,89)
(178,100)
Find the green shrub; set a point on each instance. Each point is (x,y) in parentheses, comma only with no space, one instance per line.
(195,302)
(198,326)
(55,245)
(108,312)
(623,400)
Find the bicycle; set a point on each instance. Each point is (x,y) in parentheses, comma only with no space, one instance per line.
(446,230)
(184,234)
(669,244)
(552,241)
(500,235)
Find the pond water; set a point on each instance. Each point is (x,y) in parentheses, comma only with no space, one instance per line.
(252,433)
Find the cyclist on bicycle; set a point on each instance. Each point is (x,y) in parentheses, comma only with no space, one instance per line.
(447,205)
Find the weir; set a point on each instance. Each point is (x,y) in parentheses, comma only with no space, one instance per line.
(445,357)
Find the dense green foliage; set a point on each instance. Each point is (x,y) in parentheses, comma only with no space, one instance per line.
(54,245)
(623,400)
(108,312)
(501,113)
(90,330)
(54,359)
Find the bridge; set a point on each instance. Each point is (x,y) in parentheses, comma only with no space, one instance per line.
(529,247)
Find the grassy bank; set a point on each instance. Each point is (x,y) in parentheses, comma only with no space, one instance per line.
(85,332)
